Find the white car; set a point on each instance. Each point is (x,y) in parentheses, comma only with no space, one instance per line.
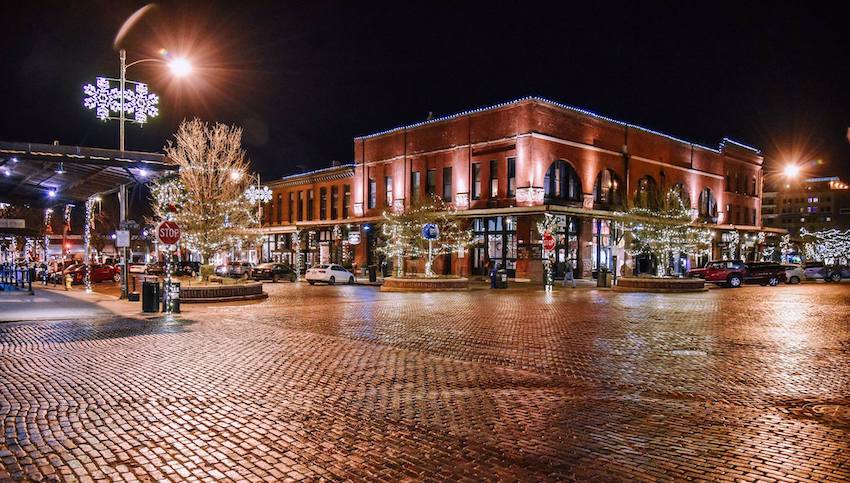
(794,274)
(329,274)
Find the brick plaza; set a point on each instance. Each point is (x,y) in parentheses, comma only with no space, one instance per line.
(347,383)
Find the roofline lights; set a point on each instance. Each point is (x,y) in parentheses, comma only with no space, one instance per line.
(559,105)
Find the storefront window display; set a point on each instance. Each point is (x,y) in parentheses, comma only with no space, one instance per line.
(495,240)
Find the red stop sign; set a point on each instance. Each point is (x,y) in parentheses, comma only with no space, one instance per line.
(168,233)
(548,241)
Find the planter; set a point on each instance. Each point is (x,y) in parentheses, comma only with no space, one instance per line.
(222,293)
(423,284)
(660,285)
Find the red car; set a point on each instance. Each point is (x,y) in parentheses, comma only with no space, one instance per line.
(99,273)
(734,273)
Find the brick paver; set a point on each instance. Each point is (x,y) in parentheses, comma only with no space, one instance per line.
(350,383)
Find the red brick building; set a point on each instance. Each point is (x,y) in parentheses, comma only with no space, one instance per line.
(503,167)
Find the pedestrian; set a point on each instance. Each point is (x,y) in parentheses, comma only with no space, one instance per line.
(568,273)
(494,273)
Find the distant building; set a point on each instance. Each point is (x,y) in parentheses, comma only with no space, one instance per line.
(813,204)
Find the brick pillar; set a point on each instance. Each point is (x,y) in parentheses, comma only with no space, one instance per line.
(584,248)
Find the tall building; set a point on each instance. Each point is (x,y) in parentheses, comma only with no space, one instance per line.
(504,167)
(813,203)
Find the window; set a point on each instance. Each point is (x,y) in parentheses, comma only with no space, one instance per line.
(300,206)
(494,178)
(511,177)
(754,216)
(753,191)
(279,208)
(561,182)
(476,181)
(290,206)
(388,190)
(334,201)
(447,184)
(646,195)
(414,186)
(323,203)
(728,179)
(346,200)
(708,206)
(310,205)
(606,189)
(373,192)
(431,181)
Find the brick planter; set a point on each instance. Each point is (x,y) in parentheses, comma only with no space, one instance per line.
(422,284)
(222,293)
(665,285)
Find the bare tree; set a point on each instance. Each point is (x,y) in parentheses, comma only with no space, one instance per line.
(207,196)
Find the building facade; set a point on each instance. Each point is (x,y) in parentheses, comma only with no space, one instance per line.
(503,167)
(813,203)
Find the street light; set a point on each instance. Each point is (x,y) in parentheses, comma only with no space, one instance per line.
(180,67)
(791,170)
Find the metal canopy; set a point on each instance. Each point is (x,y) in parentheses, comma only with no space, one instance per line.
(29,171)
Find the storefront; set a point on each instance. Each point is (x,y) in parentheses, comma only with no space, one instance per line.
(494,241)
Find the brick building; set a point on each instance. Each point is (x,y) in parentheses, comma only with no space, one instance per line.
(503,167)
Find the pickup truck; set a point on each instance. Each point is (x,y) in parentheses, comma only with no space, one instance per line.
(734,273)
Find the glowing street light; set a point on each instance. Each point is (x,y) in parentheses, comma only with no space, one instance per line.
(180,67)
(791,170)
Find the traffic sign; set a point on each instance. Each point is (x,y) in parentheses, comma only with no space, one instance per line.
(548,241)
(430,231)
(168,233)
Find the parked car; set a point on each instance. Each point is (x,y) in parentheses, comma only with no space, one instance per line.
(137,268)
(234,269)
(329,274)
(179,268)
(273,272)
(99,273)
(734,273)
(794,274)
(835,273)
(814,270)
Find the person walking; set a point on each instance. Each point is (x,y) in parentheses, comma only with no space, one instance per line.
(568,273)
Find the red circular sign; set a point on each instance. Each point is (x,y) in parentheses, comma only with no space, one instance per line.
(168,233)
(548,241)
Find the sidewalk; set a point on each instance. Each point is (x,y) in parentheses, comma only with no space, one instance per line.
(55,303)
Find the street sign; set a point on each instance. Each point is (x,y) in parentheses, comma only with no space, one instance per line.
(131,225)
(122,238)
(430,231)
(168,233)
(548,241)
(354,237)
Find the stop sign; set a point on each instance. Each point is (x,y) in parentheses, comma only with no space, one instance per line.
(548,241)
(168,233)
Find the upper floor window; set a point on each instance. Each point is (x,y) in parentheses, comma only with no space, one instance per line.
(511,177)
(431,181)
(323,203)
(476,181)
(447,184)
(494,178)
(561,182)
(388,190)
(346,200)
(708,205)
(334,201)
(373,192)
(646,195)
(414,186)
(606,190)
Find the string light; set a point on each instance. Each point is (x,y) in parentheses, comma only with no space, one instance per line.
(87,239)
(105,100)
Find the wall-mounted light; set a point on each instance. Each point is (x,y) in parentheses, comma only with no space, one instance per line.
(60,169)
(51,193)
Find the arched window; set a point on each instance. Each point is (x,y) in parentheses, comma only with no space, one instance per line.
(561,182)
(707,206)
(646,195)
(606,189)
(682,192)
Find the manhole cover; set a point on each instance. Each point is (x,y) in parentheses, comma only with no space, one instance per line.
(689,352)
(834,412)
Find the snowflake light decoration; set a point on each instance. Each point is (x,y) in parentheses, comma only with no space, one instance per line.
(106,100)
(141,103)
(100,97)
(256,194)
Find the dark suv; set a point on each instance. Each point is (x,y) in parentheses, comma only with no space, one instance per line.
(734,273)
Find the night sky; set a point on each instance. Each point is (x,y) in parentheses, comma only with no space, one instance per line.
(304,78)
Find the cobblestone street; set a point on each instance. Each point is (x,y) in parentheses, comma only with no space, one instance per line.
(346,382)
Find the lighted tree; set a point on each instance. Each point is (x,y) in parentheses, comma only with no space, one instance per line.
(831,246)
(207,197)
(402,231)
(666,231)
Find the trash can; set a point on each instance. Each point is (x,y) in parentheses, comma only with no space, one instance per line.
(171,291)
(373,275)
(150,296)
(501,278)
(603,278)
